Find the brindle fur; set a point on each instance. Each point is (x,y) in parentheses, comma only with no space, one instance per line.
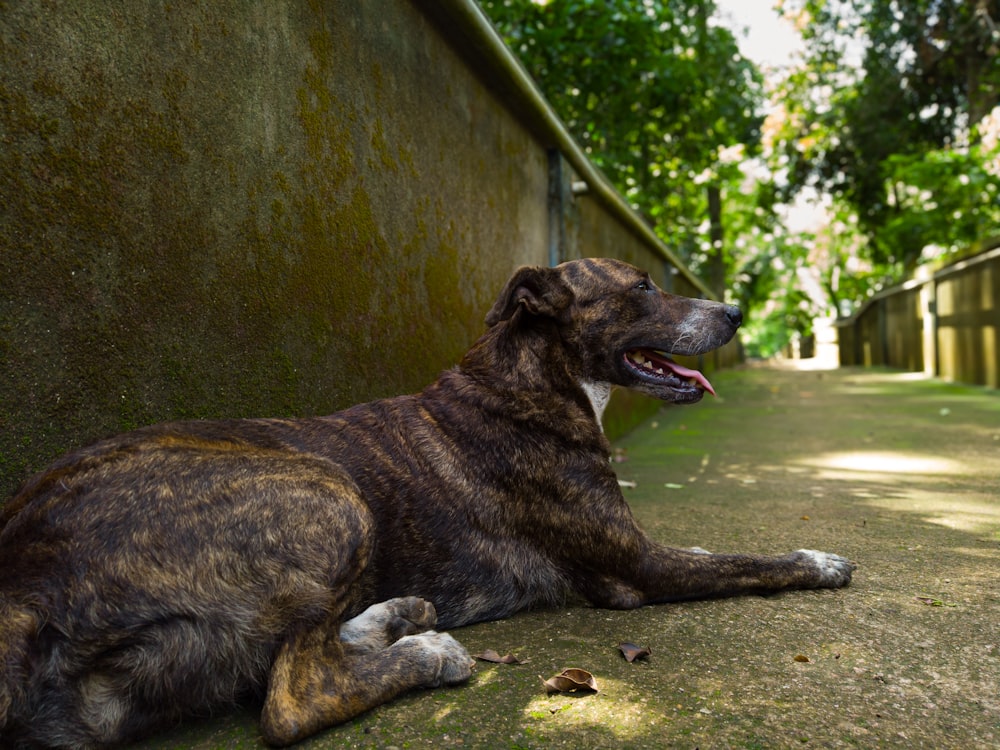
(180,568)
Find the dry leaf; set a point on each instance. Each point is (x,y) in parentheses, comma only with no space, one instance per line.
(570,681)
(492,656)
(631,652)
(802,658)
(934,602)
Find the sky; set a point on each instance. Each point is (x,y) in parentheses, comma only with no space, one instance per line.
(769,40)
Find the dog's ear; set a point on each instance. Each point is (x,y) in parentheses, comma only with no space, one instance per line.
(537,290)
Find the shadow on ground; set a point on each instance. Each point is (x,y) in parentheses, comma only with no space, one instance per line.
(899,473)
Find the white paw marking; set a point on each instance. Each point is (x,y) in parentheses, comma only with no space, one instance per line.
(367,628)
(370,628)
(598,393)
(834,570)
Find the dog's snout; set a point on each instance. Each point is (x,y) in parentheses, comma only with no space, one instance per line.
(734,314)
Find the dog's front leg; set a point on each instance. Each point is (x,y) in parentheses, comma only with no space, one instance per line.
(318,680)
(664,574)
(672,574)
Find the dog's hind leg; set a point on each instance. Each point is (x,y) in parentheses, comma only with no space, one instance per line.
(318,680)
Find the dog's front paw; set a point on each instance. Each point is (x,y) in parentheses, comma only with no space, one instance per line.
(445,659)
(386,622)
(832,571)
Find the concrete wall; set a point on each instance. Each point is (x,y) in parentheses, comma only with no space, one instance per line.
(945,324)
(261,208)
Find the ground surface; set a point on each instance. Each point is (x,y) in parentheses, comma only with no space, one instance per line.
(898,473)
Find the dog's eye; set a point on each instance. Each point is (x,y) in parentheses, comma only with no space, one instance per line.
(645,286)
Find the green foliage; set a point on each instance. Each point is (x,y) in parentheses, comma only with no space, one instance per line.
(659,96)
(882,114)
(652,89)
(944,200)
(884,117)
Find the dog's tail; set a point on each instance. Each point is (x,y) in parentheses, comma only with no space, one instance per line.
(18,626)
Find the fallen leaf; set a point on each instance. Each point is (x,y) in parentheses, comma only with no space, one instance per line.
(802,658)
(492,656)
(931,601)
(627,483)
(570,681)
(673,486)
(631,652)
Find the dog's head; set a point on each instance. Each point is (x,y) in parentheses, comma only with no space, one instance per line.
(616,326)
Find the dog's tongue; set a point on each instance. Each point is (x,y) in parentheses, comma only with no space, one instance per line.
(681,371)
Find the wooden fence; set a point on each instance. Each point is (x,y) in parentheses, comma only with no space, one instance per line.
(944,323)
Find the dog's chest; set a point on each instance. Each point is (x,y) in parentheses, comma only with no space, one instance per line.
(599,394)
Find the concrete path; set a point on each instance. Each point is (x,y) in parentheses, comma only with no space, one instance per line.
(899,473)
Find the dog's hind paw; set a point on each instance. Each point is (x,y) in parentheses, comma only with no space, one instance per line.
(833,571)
(446,660)
(385,623)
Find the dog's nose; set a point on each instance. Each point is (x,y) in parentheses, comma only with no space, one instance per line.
(734,315)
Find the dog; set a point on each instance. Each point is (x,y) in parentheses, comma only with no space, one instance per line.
(184,567)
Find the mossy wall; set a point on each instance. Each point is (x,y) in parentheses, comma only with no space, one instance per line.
(235,208)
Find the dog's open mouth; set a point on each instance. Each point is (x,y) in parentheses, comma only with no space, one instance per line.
(655,366)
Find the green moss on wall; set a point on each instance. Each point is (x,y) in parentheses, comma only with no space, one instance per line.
(242,209)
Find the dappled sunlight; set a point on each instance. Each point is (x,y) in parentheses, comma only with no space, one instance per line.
(871,464)
(811,364)
(442,713)
(626,721)
(900,377)
(972,512)
(914,483)
(860,378)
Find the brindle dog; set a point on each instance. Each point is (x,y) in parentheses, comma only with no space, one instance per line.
(179,568)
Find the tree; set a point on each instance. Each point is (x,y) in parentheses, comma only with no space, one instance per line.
(902,117)
(654,91)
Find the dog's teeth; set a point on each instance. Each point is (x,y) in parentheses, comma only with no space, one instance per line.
(648,365)
(638,358)
(659,370)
